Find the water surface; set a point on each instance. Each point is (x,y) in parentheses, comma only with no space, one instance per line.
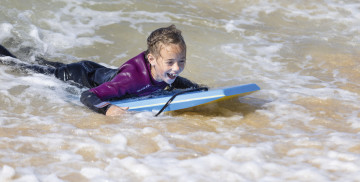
(302,126)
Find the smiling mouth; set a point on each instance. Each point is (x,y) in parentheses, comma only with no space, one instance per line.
(171,76)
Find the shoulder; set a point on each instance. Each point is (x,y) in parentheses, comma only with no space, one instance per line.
(138,60)
(135,73)
(133,65)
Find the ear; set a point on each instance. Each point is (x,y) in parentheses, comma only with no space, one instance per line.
(151,59)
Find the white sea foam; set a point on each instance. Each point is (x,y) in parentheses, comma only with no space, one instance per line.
(353,119)
(7,173)
(5,29)
(93,173)
(302,126)
(119,141)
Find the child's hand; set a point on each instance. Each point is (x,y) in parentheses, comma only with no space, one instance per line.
(116,110)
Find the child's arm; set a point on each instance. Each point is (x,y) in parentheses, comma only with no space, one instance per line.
(93,102)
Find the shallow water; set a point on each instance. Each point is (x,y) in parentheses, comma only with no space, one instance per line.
(303,125)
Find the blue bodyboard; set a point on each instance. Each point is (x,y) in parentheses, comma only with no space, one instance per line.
(186,100)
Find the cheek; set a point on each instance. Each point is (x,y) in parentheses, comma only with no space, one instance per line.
(182,67)
(164,69)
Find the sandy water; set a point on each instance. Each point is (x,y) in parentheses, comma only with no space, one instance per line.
(303,125)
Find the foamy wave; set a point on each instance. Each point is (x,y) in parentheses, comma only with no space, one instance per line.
(5,29)
(302,126)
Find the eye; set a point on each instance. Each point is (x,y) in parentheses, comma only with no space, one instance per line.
(182,61)
(169,63)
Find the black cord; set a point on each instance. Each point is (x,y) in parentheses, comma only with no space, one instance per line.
(173,97)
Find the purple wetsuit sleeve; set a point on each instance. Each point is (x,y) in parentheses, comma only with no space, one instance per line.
(112,89)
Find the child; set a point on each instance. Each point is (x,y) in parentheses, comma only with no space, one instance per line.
(158,68)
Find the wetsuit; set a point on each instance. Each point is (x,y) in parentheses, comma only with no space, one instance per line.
(133,78)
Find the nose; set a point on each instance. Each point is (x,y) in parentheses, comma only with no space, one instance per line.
(175,66)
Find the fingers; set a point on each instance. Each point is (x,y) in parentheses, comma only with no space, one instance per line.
(116,110)
(125,108)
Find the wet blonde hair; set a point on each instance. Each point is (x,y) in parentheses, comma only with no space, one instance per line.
(164,36)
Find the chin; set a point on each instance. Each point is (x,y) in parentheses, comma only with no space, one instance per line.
(169,81)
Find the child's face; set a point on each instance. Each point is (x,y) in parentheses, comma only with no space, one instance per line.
(169,64)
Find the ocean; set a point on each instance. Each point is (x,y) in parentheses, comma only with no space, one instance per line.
(303,125)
